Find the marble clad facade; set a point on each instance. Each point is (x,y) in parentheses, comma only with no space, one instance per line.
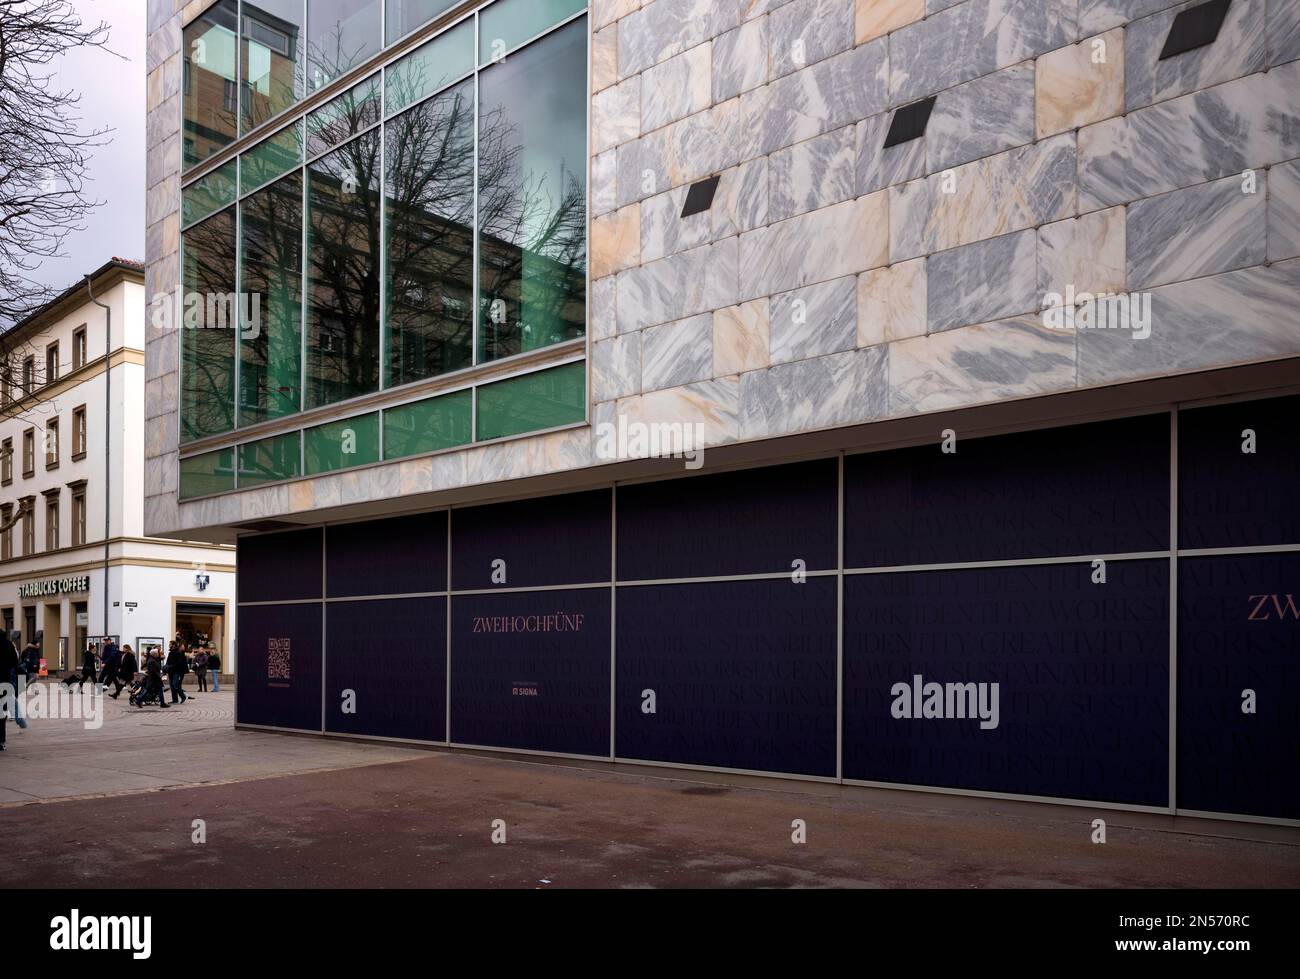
(834,283)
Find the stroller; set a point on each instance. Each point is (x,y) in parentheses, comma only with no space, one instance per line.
(141,693)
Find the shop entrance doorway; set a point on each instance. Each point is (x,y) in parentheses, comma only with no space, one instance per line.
(202,624)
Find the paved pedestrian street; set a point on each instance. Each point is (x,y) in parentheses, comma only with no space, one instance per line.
(282,810)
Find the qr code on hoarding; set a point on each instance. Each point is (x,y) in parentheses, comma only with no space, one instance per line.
(277,659)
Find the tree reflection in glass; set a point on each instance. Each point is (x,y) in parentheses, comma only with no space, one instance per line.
(208,341)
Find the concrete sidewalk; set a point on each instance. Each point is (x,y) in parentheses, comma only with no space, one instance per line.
(144,749)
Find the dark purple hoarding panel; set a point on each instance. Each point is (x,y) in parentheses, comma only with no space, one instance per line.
(739,674)
(531,670)
(400,556)
(386,668)
(1030,680)
(280,567)
(551,540)
(1101,488)
(755,521)
(1228,497)
(279,666)
(1239,684)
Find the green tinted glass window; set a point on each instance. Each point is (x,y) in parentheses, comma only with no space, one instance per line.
(343,34)
(508,23)
(271,158)
(270,460)
(546,399)
(533,196)
(428,68)
(429,426)
(342,444)
(429,157)
(210,87)
(272,50)
(209,318)
(270,344)
(404,16)
(341,118)
(211,473)
(343,267)
(208,194)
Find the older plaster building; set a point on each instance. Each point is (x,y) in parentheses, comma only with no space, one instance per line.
(984,311)
(75,564)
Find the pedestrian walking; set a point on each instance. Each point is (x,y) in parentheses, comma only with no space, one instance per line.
(125,672)
(8,665)
(87,669)
(153,682)
(201,669)
(214,667)
(110,658)
(176,669)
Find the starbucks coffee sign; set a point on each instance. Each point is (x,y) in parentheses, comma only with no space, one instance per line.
(54,586)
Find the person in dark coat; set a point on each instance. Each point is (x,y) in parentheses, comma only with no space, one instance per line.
(125,672)
(8,665)
(153,682)
(177,667)
(87,669)
(32,662)
(111,659)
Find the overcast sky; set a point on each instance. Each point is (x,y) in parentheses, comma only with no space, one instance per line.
(112,95)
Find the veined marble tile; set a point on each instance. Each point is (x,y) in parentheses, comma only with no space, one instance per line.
(604,58)
(879,167)
(664,231)
(981,117)
(1284,211)
(877,17)
(665,28)
(1234,318)
(1283,32)
(983,281)
(1250,122)
(807,31)
(616,115)
(677,353)
(1096,16)
(161,478)
(934,6)
(714,404)
(740,338)
(812,174)
(1013,358)
(740,203)
(695,147)
(750,9)
(1196,231)
(604,309)
(740,60)
(615,241)
(604,182)
(673,288)
(607,11)
(1018,189)
(1080,84)
(677,88)
(1086,252)
(416,476)
(375,483)
(1238,51)
(641,173)
(266,501)
(892,303)
(450,470)
(814,321)
(820,98)
(838,389)
(839,240)
(616,367)
(971,39)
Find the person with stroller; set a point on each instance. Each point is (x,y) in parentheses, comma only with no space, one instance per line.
(201,669)
(125,672)
(152,685)
(177,667)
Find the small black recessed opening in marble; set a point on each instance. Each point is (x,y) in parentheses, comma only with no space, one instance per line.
(700,197)
(909,122)
(1195,27)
